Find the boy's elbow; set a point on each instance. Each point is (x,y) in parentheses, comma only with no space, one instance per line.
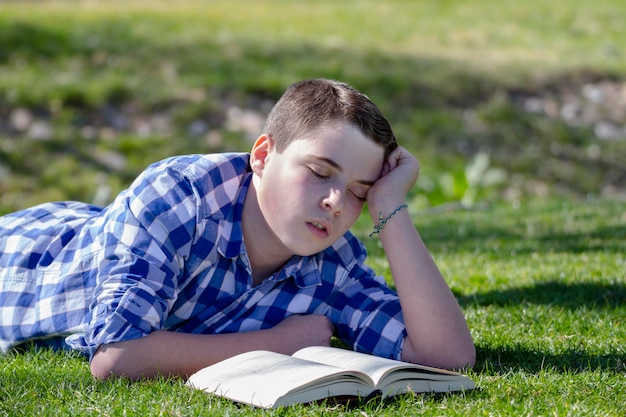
(110,361)
(100,368)
(105,364)
(458,357)
(464,356)
(467,357)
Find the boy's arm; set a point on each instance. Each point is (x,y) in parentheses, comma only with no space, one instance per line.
(437,331)
(181,354)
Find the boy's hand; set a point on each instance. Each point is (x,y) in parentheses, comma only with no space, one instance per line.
(399,174)
(300,331)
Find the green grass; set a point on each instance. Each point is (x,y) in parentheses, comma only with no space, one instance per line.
(541,279)
(542,286)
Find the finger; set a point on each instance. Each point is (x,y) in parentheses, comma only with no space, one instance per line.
(393,159)
(385,169)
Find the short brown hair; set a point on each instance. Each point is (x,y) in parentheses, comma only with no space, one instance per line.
(307,105)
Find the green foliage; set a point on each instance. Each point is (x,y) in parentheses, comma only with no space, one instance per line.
(452,83)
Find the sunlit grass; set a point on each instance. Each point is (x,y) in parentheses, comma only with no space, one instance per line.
(547,311)
(487,34)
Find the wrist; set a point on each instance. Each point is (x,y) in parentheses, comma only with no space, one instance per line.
(381,221)
(384,206)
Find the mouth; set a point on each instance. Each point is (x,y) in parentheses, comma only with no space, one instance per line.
(318,226)
(319,229)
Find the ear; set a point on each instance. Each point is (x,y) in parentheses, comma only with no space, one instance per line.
(260,152)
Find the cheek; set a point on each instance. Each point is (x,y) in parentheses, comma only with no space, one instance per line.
(291,191)
(352,211)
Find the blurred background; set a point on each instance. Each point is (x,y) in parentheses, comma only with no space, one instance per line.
(500,100)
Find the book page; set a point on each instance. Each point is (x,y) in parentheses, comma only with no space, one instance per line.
(374,366)
(262,378)
(391,377)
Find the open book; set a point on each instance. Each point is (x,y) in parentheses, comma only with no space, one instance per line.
(269,380)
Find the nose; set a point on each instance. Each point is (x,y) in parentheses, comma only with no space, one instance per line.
(334,201)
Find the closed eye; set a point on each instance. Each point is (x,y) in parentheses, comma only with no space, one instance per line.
(358,197)
(318,175)
(361,199)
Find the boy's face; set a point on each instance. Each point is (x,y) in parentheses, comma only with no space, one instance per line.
(312,193)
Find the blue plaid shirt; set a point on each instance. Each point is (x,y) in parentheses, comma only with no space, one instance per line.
(168,253)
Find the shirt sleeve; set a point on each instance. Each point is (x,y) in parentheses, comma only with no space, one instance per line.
(366,312)
(146,236)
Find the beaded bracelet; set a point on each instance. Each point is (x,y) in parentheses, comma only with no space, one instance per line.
(382,222)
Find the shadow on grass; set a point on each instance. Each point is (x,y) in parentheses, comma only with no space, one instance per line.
(572,296)
(544,229)
(510,359)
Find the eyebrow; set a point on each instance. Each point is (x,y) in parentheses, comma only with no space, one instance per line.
(339,168)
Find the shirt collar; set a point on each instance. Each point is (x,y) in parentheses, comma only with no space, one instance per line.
(305,271)
(230,233)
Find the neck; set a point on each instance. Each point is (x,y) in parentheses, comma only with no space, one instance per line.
(265,258)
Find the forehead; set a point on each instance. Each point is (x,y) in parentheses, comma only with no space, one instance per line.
(346,146)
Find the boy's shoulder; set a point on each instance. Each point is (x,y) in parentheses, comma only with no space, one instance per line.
(205,172)
(228,162)
(209,182)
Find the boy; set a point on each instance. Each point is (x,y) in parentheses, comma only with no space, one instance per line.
(207,256)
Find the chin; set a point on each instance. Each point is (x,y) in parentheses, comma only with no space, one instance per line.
(300,250)
(308,246)
(305,252)
(319,248)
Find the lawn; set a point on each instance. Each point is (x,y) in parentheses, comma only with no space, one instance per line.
(542,286)
(513,108)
